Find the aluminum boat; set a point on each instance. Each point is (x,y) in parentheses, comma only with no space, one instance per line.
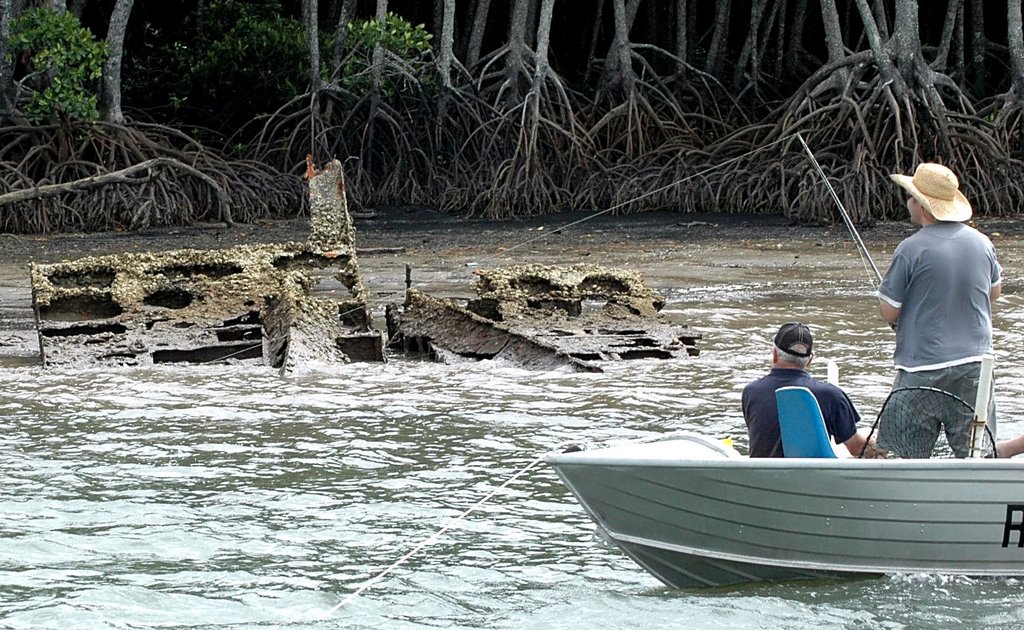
(695,512)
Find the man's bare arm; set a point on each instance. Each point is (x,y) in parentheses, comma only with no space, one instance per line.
(888,312)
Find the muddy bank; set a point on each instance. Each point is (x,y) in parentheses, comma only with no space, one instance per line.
(423,231)
(672,251)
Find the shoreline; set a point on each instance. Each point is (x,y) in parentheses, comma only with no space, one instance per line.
(671,250)
(427,230)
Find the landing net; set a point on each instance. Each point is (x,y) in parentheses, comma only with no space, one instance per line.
(922,422)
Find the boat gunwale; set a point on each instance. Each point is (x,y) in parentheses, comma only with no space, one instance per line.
(595,458)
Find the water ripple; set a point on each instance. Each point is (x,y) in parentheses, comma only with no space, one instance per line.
(215,495)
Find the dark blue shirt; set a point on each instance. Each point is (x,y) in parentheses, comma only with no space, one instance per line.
(762,415)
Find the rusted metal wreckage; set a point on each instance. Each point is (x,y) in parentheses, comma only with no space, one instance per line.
(289,304)
(543,316)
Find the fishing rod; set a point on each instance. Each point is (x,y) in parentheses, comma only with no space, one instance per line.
(842,211)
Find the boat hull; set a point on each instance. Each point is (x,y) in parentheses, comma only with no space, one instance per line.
(695,515)
(681,569)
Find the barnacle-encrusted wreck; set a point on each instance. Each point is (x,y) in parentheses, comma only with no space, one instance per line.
(544,316)
(280,304)
(289,304)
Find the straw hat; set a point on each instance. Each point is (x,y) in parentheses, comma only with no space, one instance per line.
(938,190)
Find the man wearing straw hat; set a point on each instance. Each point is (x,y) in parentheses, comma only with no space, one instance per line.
(938,294)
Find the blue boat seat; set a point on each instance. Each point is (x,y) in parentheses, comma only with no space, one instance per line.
(801,424)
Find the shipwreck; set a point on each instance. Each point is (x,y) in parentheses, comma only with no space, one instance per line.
(284,305)
(279,305)
(541,316)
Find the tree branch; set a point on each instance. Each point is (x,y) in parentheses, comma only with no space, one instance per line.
(123,176)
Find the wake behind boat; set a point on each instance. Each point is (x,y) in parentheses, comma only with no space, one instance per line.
(695,512)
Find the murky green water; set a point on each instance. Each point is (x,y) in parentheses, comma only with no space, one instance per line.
(216,496)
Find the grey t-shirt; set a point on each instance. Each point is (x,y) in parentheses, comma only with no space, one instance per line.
(940,279)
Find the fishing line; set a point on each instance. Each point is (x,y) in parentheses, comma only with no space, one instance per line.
(700,173)
(865,255)
(652,192)
(366,585)
(986,193)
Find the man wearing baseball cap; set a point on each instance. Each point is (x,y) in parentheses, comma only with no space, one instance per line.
(938,294)
(792,352)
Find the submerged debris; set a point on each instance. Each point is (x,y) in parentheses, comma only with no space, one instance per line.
(285,305)
(544,316)
(282,304)
(447,332)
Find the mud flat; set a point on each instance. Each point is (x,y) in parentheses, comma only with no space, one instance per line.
(708,254)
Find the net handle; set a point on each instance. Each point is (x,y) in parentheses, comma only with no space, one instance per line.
(980,421)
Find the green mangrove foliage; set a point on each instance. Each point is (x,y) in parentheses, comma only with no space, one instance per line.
(405,44)
(63,64)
